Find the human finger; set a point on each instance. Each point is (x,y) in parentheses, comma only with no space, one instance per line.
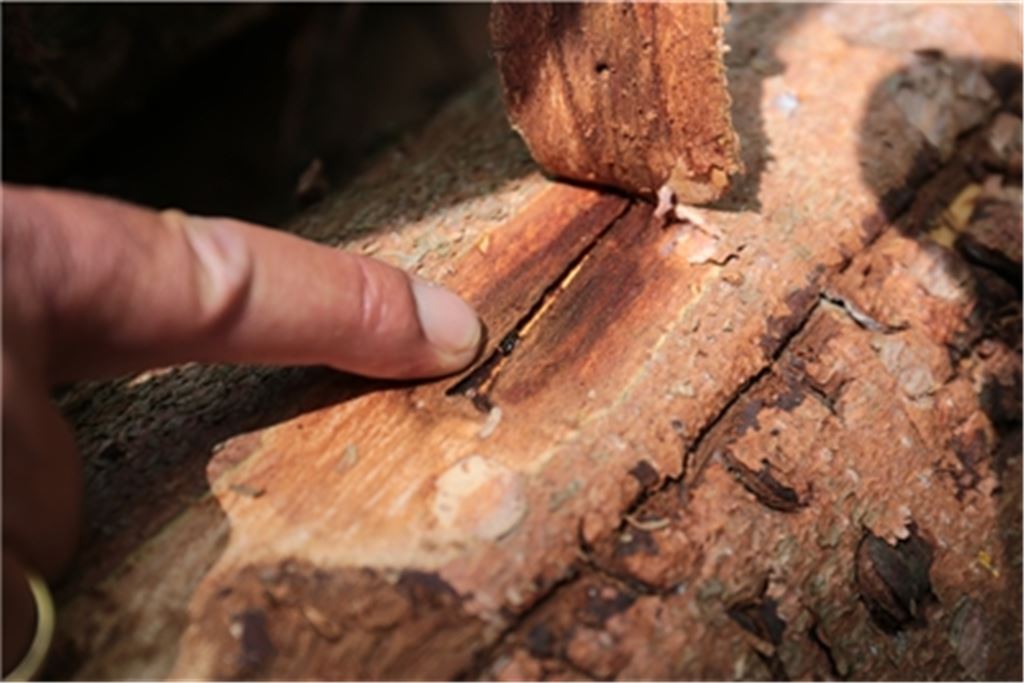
(42,474)
(114,287)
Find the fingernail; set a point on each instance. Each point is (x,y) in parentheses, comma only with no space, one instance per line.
(448,322)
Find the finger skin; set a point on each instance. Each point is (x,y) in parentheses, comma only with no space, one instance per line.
(112,287)
(42,474)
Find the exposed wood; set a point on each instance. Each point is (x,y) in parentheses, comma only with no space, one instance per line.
(784,444)
(622,94)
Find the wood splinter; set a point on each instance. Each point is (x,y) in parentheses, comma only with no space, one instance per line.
(628,95)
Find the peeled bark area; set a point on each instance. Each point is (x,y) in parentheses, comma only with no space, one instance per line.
(628,95)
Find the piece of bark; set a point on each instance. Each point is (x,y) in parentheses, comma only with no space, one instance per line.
(628,95)
(404,533)
(69,71)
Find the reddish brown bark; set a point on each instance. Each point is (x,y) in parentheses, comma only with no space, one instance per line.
(621,94)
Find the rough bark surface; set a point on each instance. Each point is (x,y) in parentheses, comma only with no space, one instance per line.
(622,94)
(786,444)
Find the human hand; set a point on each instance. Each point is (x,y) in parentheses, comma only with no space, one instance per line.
(94,287)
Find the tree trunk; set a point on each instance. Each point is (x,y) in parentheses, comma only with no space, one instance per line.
(783,442)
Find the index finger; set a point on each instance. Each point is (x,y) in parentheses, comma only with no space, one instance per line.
(109,287)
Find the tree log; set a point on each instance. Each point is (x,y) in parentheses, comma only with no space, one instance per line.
(786,444)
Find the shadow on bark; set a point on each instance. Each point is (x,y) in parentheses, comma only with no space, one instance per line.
(940,146)
(753,35)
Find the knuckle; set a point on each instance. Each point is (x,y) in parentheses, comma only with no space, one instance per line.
(374,316)
(221,264)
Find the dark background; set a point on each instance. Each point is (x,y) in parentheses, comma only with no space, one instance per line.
(220,109)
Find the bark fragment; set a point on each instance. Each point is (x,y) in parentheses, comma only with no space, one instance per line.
(894,581)
(628,95)
(766,488)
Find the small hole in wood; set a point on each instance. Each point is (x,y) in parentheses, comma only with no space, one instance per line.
(601,69)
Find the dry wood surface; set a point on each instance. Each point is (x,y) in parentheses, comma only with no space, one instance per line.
(784,442)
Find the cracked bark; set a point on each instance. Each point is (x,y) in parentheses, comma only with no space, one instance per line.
(732,419)
(476,383)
